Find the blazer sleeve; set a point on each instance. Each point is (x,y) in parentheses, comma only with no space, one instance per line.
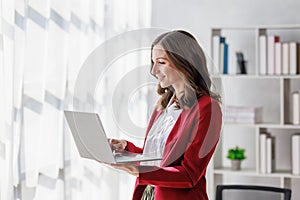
(192,167)
(132,148)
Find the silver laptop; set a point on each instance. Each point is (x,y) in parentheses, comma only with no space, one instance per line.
(92,142)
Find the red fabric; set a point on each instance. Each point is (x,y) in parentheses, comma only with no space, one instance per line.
(187,153)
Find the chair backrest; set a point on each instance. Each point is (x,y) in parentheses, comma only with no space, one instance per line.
(256,192)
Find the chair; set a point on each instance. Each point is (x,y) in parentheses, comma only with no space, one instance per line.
(251,192)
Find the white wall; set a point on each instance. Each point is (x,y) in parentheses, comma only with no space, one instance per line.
(198,16)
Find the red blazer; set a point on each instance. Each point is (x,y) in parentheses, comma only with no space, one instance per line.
(188,150)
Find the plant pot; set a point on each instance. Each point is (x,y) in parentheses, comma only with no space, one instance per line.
(236,164)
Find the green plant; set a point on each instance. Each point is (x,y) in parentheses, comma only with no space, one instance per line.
(236,154)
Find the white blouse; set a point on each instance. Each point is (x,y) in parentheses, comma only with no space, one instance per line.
(159,132)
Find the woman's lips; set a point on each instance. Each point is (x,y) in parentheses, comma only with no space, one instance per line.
(160,78)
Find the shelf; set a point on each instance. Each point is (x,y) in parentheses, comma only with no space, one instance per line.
(228,171)
(279,27)
(235,28)
(265,125)
(241,124)
(253,173)
(272,92)
(285,126)
(283,174)
(252,76)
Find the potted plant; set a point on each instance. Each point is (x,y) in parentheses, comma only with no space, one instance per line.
(236,155)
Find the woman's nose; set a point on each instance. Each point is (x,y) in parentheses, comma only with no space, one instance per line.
(154,69)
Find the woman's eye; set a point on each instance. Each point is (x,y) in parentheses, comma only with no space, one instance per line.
(161,62)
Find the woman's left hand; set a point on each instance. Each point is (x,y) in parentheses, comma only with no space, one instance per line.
(131,168)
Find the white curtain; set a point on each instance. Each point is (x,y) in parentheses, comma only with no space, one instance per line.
(42,47)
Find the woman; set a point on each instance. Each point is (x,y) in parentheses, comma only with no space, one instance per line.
(185,126)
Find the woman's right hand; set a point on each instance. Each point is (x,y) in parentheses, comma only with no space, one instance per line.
(118,145)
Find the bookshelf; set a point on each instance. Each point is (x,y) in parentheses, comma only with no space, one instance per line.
(272,92)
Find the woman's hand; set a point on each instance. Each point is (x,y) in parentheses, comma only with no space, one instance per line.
(118,145)
(131,168)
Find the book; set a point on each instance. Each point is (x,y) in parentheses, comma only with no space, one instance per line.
(278,58)
(294,56)
(272,39)
(270,143)
(285,58)
(263,152)
(242,114)
(296,107)
(240,120)
(296,154)
(221,58)
(216,52)
(221,54)
(225,62)
(263,54)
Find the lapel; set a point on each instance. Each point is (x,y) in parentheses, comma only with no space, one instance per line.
(177,139)
(153,118)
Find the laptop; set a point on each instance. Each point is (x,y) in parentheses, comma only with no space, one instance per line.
(92,143)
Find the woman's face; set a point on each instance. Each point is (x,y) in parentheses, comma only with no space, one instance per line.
(164,70)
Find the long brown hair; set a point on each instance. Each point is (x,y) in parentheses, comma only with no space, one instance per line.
(188,58)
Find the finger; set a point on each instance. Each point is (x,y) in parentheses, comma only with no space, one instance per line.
(114,141)
(119,146)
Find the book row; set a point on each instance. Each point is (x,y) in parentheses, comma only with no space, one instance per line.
(268,157)
(220,54)
(278,58)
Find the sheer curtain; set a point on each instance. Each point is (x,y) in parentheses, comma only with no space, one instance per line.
(42,47)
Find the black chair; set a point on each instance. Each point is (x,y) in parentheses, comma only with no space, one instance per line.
(253,192)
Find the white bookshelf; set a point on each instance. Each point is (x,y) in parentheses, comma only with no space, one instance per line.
(273,93)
